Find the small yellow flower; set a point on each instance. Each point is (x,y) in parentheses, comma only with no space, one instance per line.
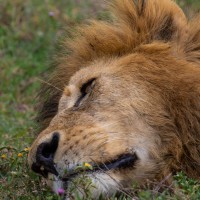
(87,165)
(27,149)
(20,155)
(3,156)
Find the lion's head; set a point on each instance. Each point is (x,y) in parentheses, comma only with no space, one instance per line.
(125,100)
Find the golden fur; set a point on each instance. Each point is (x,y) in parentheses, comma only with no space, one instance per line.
(146,63)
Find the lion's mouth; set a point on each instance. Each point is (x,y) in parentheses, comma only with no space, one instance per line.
(122,161)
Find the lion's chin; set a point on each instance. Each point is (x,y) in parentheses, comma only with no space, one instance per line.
(93,185)
(101,179)
(54,183)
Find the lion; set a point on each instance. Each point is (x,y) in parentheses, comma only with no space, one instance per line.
(124,99)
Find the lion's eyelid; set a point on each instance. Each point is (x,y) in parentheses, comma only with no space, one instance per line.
(85,89)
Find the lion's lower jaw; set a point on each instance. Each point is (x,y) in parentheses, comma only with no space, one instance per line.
(54,183)
(87,186)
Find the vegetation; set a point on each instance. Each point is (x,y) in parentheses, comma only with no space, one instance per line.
(29,31)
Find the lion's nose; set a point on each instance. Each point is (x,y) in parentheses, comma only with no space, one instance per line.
(44,157)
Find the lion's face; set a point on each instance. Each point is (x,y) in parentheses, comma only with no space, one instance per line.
(131,113)
(98,122)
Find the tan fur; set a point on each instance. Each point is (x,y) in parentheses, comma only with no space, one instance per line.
(146,97)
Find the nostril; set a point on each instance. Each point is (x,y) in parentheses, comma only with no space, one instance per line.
(47,150)
(44,157)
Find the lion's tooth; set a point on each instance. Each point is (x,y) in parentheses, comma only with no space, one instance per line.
(42,168)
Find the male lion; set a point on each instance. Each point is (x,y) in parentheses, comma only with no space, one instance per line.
(125,100)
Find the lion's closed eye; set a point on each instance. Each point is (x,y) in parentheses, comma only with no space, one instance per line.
(85,91)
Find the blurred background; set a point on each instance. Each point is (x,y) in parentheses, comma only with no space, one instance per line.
(29,32)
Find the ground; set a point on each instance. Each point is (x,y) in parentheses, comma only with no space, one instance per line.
(29,32)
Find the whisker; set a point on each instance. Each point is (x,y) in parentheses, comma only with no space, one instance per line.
(107,125)
(49,84)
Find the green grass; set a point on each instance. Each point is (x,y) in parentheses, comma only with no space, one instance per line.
(28,33)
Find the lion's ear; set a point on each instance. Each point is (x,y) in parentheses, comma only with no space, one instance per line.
(152,19)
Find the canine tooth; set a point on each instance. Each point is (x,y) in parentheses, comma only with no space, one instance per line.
(42,168)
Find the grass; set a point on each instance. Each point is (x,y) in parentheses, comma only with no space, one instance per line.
(28,32)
